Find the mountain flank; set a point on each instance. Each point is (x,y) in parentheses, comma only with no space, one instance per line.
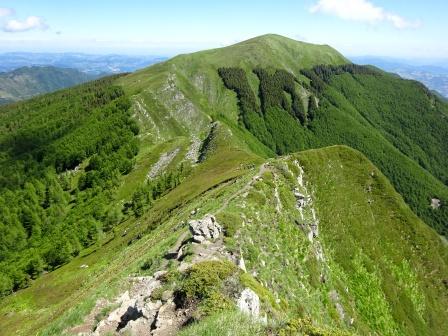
(266,188)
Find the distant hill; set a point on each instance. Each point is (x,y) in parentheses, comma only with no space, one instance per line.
(434,77)
(92,64)
(27,82)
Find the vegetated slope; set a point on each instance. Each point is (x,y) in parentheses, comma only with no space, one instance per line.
(26,82)
(398,124)
(327,234)
(50,209)
(404,135)
(324,247)
(434,77)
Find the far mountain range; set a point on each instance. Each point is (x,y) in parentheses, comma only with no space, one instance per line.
(88,63)
(433,75)
(24,75)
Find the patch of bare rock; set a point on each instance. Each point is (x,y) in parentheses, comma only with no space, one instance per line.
(135,312)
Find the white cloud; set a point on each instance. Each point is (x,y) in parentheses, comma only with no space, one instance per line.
(6,11)
(30,23)
(362,11)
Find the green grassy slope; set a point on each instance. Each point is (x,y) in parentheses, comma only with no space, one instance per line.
(369,256)
(195,75)
(374,238)
(26,82)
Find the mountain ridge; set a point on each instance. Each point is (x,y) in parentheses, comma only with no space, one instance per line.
(26,82)
(309,224)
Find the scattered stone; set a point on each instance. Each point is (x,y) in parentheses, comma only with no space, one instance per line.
(249,302)
(159,274)
(205,229)
(242,264)
(167,295)
(137,313)
(435,203)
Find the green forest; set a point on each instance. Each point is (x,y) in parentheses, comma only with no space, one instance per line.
(61,156)
(278,93)
(399,124)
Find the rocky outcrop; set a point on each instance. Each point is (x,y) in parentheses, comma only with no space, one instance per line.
(136,313)
(163,162)
(301,200)
(435,203)
(249,303)
(139,312)
(206,229)
(193,152)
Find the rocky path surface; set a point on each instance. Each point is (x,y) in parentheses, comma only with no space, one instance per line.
(136,312)
(263,168)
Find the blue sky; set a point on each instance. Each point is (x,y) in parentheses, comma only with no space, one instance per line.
(396,28)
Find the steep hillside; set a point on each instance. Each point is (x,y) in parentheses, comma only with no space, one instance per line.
(26,82)
(291,104)
(203,221)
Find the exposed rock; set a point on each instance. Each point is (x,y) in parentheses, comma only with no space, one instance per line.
(167,295)
(249,302)
(301,199)
(242,264)
(126,302)
(194,150)
(435,203)
(140,327)
(314,227)
(132,313)
(199,239)
(205,229)
(163,162)
(135,311)
(168,320)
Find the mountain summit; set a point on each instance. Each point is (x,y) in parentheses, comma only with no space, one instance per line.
(269,187)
